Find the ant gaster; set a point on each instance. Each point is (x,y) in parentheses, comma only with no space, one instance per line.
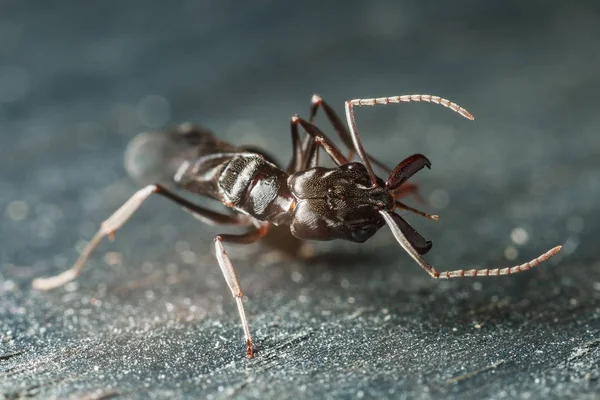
(346,202)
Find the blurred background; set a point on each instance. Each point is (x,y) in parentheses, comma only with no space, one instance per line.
(78,80)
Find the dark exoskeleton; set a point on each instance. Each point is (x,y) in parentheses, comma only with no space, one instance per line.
(347,201)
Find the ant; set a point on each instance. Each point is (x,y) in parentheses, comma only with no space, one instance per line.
(345,202)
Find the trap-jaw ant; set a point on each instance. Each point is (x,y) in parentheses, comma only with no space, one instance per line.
(346,202)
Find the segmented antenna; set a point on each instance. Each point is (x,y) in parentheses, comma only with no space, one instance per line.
(411,98)
(460,273)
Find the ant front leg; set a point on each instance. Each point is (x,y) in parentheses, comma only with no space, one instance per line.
(304,154)
(414,210)
(319,138)
(115,221)
(299,150)
(231,277)
(409,189)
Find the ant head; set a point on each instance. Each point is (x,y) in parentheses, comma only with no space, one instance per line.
(343,203)
(337,203)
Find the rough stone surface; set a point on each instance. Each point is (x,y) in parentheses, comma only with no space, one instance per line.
(151,316)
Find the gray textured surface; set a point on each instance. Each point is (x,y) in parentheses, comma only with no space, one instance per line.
(151,315)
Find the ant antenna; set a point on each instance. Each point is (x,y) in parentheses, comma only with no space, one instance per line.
(460,273)
(349,107)
(413,98)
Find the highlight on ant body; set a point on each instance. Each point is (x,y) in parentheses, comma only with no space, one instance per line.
(348,201)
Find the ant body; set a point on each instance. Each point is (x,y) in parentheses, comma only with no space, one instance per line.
(345,202)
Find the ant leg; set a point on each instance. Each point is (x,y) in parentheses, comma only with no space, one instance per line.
(306,155)
(409,189)
(414,210)
(115,221)
(460,273)
(312,154)
(320,139)
(341,129)
(309,146)
(231,276)
(298,152)
(349,108)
